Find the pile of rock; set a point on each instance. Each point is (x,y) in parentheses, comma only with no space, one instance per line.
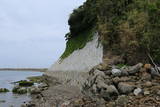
(123,86)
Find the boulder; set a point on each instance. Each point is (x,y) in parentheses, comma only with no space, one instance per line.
(108,72)
(19,90)
(122,101)
(101,84)
(25,83)
(147,84)
(125,88)
(154,72)
(43,86)
(158,93)
(109,92)
(117,80)
(148,66)
(146,76)
(146,92)
(116,72)
(136,68)
(103,67)
(35,90)
(99,73)
(137,91)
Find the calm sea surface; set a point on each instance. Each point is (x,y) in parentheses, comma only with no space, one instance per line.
(6,80)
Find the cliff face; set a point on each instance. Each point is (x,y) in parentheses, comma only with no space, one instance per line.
(128,29)
(81,60)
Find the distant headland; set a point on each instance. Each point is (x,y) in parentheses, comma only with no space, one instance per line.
(24,69)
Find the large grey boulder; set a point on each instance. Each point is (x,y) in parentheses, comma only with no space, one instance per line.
(122,101)
(136,68)
(116,72)
(125,88)
(99,73)
(109,92)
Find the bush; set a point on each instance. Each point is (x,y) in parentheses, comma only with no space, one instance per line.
(81,20)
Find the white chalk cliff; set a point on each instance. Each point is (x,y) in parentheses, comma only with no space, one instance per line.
(81,60)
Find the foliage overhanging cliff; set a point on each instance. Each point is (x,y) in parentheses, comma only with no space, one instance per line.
(130,28)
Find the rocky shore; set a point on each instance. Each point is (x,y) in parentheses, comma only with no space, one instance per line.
(125,86)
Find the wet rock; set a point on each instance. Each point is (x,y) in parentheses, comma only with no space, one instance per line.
(109,92)
(125,88)
(116,72)
(36,79)
(137,91)
(122,101)
(136,68)
(25,83)
(19,90)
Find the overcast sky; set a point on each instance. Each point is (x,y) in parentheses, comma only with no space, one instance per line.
(32,31)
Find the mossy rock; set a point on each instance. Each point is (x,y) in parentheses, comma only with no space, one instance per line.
(25,83)
(36,79)
(19,90)
(3,90)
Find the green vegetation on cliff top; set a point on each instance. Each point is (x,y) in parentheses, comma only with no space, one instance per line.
(126,27)
(77,42)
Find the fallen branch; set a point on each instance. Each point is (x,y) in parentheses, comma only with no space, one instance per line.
(155,66)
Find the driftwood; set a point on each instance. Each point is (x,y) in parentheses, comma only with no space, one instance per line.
(155,65)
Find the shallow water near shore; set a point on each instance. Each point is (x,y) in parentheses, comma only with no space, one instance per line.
(6,79)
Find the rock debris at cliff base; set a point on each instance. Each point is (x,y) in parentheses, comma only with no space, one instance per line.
(128,86)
